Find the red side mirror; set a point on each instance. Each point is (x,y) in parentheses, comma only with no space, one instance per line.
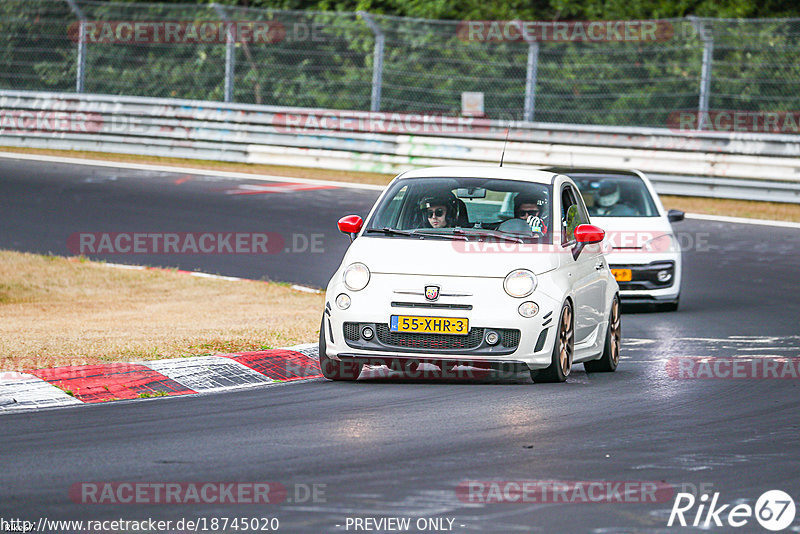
(588,234)
(350,224)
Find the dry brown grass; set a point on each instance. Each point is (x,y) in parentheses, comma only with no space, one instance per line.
(55,311)
(734,208)
(710,206)
(277,170)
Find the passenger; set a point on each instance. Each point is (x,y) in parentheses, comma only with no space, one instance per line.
(532,207)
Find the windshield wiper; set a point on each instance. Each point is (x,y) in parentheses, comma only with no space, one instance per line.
(454,235)
(389,231)
(412,233)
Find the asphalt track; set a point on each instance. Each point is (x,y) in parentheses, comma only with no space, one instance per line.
(387,447)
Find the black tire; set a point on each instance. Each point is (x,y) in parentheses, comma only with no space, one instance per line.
(335,369)
(610,359)
(563,350)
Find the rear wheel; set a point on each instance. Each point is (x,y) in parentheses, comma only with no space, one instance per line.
(610,359)
(335,369)
(563,348)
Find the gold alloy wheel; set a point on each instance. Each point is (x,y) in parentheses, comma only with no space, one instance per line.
(566,341)
(615,332)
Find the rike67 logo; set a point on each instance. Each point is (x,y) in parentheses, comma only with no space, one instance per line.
(774,510)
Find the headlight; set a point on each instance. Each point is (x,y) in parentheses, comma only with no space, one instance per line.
(356,276)
(662,243)
(528,309)
(343,301)
(520,283)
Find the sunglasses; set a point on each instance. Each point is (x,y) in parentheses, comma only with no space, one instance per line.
(438,212)
(528,212)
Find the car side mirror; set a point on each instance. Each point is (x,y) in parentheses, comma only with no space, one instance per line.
(586,234)
(351,225)
(675,215)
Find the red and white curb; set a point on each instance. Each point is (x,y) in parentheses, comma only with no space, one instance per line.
(87,384)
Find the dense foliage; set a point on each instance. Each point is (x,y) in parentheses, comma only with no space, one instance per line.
(325,58)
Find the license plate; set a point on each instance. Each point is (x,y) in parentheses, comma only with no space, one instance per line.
(622,275)
(429,325)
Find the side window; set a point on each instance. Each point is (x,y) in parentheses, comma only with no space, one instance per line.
(569,211)
(573,214)
(583,216)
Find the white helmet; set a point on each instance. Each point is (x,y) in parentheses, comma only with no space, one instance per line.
(608,194)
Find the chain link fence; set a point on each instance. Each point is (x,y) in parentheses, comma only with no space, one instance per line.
(633,73)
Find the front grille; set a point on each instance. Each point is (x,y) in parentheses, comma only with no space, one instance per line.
(510,337)
(429,341)
(351,331)
(473,341)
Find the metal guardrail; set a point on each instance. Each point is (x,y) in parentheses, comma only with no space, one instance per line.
(746,165)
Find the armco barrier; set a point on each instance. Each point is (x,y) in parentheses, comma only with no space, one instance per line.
(745,165)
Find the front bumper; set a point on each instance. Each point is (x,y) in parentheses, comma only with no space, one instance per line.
(644,286)
(522,341)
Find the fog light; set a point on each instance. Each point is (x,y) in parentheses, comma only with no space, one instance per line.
(367,332)
(492,337)
(528,309)
(343,301)
(664,276)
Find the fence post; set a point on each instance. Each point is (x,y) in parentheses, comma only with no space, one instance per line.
(377,62)
(230,52)
(531,73)
(530,81)
(705,74)
(81,74)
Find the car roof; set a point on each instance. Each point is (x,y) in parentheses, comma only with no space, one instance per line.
(593,170)
(502,173)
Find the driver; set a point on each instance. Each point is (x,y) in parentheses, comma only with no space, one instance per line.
(532,207)
(608,202)
(439,210)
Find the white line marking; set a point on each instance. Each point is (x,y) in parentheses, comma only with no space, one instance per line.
(742,220)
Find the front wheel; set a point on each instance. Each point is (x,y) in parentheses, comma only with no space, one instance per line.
(335,369)
(610,359)
(563,348)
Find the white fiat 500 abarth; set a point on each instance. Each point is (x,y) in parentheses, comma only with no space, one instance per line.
(488,267)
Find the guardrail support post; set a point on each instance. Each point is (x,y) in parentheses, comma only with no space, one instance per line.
(80,77)
(230,52)
(377,61)
(705,74)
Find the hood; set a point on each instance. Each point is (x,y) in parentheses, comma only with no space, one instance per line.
(442,257)
(631,233)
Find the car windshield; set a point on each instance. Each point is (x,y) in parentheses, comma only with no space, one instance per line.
(465,208)
(611,195)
